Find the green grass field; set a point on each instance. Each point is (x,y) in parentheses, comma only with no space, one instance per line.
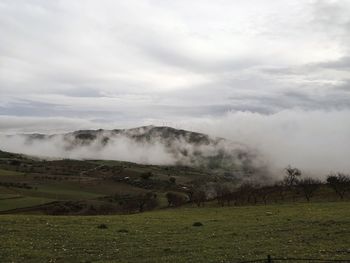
(12,203)
(228,234)
(5,173)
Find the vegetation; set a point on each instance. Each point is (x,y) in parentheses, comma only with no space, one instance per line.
(72,187)
(227,234)
(198,216)
(340,183)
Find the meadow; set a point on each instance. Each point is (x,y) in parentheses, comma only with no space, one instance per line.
(227,234)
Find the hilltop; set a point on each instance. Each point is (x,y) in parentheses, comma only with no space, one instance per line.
(145,145)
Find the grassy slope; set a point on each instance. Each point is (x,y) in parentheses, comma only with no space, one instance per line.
(49,190)
(26,201)
(7,173)
(81,180)
(319,230)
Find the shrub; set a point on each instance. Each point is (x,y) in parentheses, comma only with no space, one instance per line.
(197,224)
(172,180)
(146,176)
(340,183)
(102,226)
(309,186)
(175,199)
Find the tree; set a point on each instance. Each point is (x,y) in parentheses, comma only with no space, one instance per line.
(148,200)
(199,197)
(292,176)
(190,193)
(248,192)
(172,180)
(175,199)
(279,188)
(146,175)
(138,203)
(224,193)
(264,192)
(309,186)
(291,179)
(197,192)
(340,183)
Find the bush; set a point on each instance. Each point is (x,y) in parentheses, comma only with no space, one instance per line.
(340,183)
(309,186)
(172,180)
(102,226)
(175,199)
(137,203)
(146,176)
(197,224)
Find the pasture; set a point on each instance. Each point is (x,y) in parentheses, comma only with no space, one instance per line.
(228,234)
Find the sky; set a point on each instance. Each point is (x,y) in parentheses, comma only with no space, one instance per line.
(69,64)
(270,73)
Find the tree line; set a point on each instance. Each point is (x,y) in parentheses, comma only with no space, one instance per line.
(292,187)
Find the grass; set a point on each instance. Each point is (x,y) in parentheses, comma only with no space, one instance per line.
(65,194)
(58,191)
(9,173)
(8,196)
(228,234)
(7,204)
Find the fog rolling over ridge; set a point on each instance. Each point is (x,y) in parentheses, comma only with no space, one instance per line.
(316,141)
(146,145)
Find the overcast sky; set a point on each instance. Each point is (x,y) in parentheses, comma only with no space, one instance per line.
(71,64)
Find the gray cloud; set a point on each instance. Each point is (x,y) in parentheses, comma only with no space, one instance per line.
(340,64)
(129,62)
(315,141)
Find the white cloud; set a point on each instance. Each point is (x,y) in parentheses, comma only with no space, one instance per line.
(315,141)
(110,49)
(67,65)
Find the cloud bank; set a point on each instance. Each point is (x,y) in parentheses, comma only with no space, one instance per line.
(145,145)
(120,148)
(315,141)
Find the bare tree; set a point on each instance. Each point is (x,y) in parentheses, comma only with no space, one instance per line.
(191,189)
(248,192)
(224,193)
(280,189)
(199,197)
(175,199)
(340,183)
(291,180)
(148,200)
(139,203)
(309,186)
(292,176)
(265,192)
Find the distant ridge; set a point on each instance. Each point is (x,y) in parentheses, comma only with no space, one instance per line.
(183,147)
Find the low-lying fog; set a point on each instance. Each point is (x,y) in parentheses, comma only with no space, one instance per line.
(317,142)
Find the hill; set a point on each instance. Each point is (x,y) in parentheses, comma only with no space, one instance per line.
(145,145)
(66,186)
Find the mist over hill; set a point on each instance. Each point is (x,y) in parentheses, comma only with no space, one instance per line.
(146,145)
